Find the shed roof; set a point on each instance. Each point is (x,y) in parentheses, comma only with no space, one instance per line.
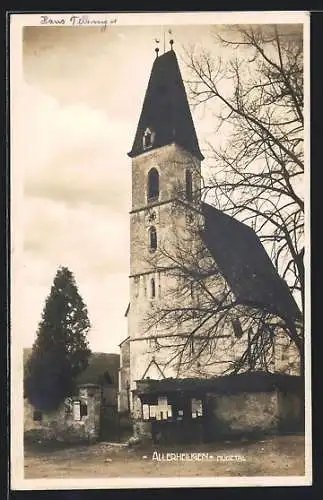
(244,382)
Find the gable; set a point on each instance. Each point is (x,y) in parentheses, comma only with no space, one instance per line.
(153,371)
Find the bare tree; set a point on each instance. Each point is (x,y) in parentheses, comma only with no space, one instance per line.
(256,173)
(201,317)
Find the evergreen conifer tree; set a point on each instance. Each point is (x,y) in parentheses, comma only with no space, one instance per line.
(60,351)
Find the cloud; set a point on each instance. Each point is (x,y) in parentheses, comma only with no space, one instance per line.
(73,153)
(88,237)
(76,198)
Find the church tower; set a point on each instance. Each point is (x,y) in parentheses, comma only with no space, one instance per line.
(167,215)
(166,179)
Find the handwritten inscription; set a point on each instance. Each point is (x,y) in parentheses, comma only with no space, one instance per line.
(80,20)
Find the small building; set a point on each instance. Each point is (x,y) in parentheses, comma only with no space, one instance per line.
(201,410)
(90,414)
(124,375)
(76,419)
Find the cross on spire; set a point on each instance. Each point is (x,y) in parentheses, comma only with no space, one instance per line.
(157,48)
(171,41)
(157,41)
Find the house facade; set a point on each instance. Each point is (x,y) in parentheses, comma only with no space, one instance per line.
(76,419)
(87,415)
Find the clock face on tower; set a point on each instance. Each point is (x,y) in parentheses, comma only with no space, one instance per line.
(152,216)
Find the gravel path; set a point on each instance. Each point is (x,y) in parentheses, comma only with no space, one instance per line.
(274,456)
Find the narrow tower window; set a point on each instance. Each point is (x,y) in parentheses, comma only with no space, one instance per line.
(153,185)
(152,239)
(189,185)
(153,288)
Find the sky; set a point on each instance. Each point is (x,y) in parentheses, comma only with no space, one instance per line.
(81,96)
(79,100)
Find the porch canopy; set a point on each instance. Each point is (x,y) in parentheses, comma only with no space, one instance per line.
(228,384)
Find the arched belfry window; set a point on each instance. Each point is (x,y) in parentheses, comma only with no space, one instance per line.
(189,185)
(153,288)
(152,239)
(153,185)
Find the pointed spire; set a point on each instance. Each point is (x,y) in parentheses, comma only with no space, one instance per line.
(165,110)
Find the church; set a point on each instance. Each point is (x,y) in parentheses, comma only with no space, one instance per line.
(180,376)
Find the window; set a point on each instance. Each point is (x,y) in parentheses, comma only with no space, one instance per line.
(37,416)
(152,239)
(164,410)
(153,288)
(153,343)
(189,186)
(145,411)
(77,410)
(191,346)
(197,408)
(153,185)
(147,139)
(152,411)
(237,329)
(83,409)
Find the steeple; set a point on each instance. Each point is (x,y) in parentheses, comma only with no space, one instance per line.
(165,117)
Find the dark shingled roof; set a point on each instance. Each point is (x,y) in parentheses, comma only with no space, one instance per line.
(244,263)
(228,384)
(99,363)
(166,110)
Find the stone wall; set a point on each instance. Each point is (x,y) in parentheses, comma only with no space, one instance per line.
(63,424)
(243,413)
(124,376)
(291,411)
(286,355)
(249,413)
(252,403)
(141,428)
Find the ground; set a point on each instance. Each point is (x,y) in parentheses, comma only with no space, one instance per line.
(271,456)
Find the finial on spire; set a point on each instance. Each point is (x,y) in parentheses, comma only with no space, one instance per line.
(171,41)
(157,48)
